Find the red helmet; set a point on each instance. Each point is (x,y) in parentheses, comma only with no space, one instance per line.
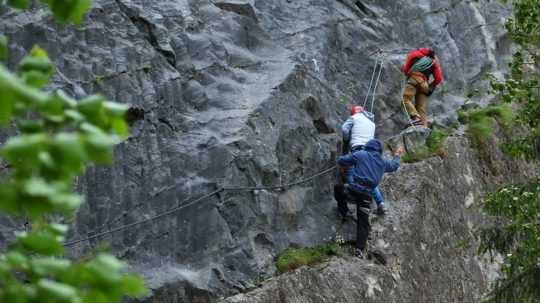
(356,109)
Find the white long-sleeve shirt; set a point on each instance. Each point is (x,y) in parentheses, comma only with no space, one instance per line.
(359,129)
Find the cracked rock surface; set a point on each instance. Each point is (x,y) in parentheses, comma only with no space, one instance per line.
(249,93)
(427,238)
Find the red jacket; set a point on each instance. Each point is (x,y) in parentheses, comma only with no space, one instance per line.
(419,53)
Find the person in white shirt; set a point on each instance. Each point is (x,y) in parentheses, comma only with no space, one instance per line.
(357,130)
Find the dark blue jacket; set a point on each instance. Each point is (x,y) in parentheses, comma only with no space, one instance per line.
(368,166)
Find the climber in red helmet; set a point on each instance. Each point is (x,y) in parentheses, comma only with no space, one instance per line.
(420,65)
(357,130)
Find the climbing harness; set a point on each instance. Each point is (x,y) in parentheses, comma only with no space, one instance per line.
(189,202)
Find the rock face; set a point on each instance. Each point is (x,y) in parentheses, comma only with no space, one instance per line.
(427,239)
(252,92)
(411,139)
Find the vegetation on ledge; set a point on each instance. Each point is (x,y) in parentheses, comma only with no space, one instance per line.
(480,122)
(293,258)
(435,146)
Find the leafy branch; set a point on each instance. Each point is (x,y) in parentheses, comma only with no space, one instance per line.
(59,137)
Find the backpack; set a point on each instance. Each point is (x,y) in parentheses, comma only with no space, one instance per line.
(422,65)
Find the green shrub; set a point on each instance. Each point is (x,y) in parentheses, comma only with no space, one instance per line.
(480,122)
(516,236)
(54,146)
(293,258)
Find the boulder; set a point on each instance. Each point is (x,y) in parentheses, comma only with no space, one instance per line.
(412,139)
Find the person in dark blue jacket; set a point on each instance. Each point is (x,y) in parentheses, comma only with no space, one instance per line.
(368,168)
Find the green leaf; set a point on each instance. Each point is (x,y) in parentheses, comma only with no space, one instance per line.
(39,188)
(39,53)
(133,285)
(67,100)
(106,269)
(37,60)
(3,47)
(53,109)
(69,11)
(58,229)
(49,266)
(14,293)
(17,260)
(24,148)
(116,109)
(66,202)
(74,115)
(93,110)
(91,129)
(6,111)
(20,4)
(37,68)
(95,296)
(42,242)
(7,98)
(120,127)
(99,148)
(46,160)
(69,153)
(30,126)
(15,91)
(58,292)
(8,198)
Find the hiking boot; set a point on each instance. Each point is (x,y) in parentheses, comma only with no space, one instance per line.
(414,122)
(381,210)
(418,122)
(359,253)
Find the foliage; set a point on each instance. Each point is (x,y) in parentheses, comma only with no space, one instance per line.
(480,124)
(64,11)
(516,236)
(292,258)
(434,147)
(481,121)
(522,87)
(58,137)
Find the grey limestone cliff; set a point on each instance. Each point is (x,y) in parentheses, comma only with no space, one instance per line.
(428,239)
(252,92)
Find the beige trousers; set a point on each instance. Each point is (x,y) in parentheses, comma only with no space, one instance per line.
(417,88)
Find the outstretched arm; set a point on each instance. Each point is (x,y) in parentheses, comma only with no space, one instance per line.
(393,165)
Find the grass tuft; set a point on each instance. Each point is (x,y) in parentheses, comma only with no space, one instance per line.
(434,147)
(480,124)
(292,258)
(481,121)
